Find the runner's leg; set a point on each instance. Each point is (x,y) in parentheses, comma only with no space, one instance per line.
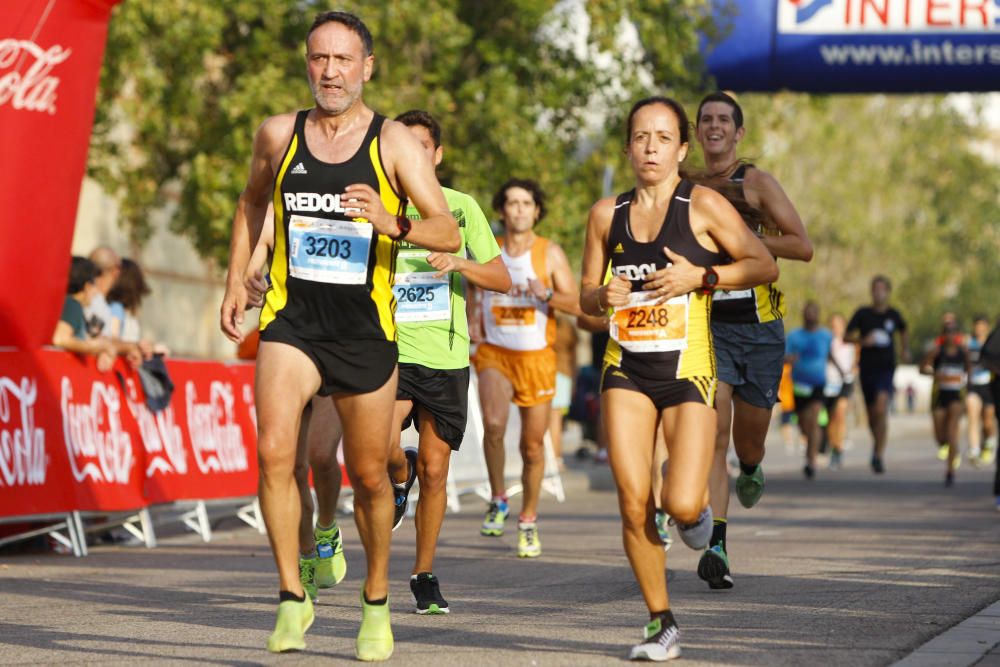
(495,395)
(534,423)
(366,454)
(630,420)
(286,380)
(432,471)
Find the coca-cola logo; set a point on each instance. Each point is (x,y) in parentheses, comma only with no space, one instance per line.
(216,437)
(32,88)
(161,436)
(98,446)
(22,446)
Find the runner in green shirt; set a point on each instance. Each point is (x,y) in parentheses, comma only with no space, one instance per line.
(434,360)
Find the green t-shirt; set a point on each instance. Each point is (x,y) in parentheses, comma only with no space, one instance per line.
(430,313)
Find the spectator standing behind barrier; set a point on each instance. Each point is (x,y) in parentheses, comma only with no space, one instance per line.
(71,331)
(124,301)
(98,313)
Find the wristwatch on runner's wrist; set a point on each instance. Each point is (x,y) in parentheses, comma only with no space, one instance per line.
(548,295)
(404,226)
(709,280)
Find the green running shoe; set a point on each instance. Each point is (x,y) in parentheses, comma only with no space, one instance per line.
(331,566)
(528,544)
(713,568)
(307,575)
(749,488)
(663,529)
(294,618)
(495,517)
(375,636)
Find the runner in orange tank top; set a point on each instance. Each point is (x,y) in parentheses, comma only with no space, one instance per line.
(516,360)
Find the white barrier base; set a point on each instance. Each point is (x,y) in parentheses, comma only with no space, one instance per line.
(66,530)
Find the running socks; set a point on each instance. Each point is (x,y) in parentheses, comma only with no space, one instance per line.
(748,469)
(288,596)
(667,617)
(379,602)
(718,532)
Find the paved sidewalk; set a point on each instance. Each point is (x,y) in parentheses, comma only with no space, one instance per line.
(849,569)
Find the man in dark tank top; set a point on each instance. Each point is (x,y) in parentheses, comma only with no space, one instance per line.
(339,176)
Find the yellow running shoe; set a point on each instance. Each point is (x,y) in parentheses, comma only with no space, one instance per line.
(528,544)
(294,618)
(988,456)
(307,576)
(942,453)
(331,566)
(375,636)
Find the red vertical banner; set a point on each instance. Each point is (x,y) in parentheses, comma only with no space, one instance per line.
(50,62)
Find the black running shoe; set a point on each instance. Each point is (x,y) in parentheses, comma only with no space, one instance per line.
(877,466)
(401,492)
(713,568)
(809,471)
(427,594)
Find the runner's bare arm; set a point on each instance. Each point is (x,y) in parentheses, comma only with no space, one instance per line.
(593,323)
(409,168)
(595,296)
(752,262)
(491,275)
(927,365)
(565,295)
(716,225)
(904,346)
(269,142)
(254,278)
(793,242)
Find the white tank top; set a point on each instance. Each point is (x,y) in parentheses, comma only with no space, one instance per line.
(517,320)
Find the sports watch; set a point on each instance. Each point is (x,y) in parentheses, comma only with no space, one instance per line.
(709,280)
(404,226)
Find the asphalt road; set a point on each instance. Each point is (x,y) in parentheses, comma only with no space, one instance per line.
(849,569)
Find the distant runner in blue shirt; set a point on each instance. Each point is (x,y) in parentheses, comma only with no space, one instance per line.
(808,350)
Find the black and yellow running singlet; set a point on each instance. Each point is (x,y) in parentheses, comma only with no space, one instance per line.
(331,274)
(666,341)
(764,303)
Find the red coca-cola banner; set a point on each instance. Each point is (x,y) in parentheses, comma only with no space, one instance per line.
(204,444)
(73,438)
(50,60)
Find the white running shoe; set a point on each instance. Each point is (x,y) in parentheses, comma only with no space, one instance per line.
(660,643)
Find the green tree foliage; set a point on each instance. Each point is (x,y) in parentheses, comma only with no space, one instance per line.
(891,185)
(888,185)
(517,87)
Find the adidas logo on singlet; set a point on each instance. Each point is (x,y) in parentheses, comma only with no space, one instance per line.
(299,169)
(618,249)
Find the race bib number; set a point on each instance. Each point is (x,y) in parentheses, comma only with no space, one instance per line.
(329,251)
(420,297)
(513,312)
(950,377)
(881,338)
(645,326)
(732,295)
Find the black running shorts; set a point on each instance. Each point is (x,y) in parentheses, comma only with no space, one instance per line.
(663,393)
(346,366)
(444,394)
(983,391)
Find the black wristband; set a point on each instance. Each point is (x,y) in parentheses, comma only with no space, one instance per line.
(404,226)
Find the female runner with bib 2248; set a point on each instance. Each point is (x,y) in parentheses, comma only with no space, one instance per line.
(666,242)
